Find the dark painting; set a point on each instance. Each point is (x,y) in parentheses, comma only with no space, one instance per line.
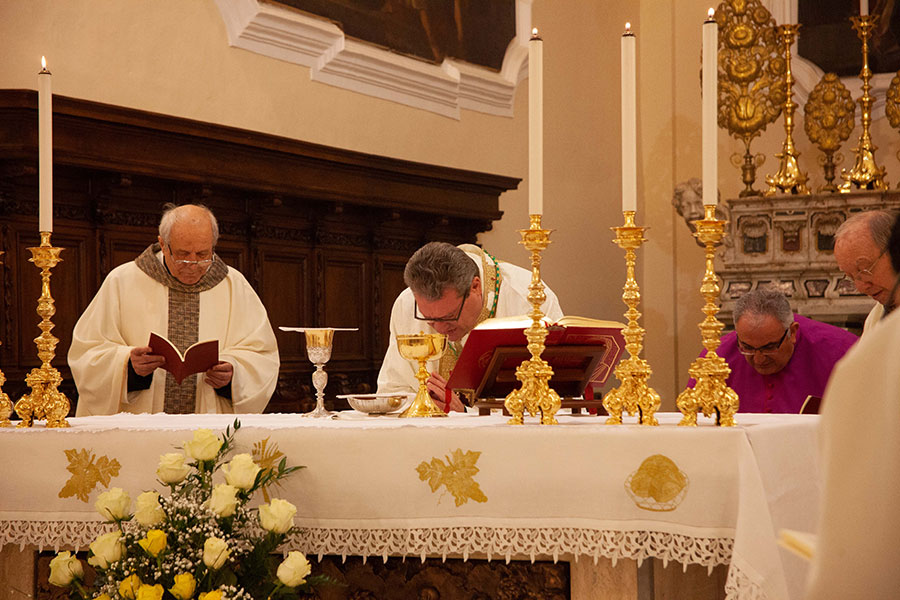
(828,39)
(475,31)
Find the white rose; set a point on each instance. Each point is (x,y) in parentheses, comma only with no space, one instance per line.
(277,516)
(223,500)
(241,471)
(172,468)
(204,446)
(113,504)
(294,569)
(215,552)
(147,509)
(64,569)
(107,549)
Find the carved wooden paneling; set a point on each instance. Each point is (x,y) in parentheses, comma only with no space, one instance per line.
(321,233)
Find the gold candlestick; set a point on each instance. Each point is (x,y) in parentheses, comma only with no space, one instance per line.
(634,395)
(865,174)
(6,407)
(45,401)
(534,373)
(789,179)
(710,393)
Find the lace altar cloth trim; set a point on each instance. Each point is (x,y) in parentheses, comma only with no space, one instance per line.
(492,542)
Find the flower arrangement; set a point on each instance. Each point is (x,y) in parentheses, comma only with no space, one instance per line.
(202,541)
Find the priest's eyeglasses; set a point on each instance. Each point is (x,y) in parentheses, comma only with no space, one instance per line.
(419,316)
(203,262)
(772,348)
(865,275)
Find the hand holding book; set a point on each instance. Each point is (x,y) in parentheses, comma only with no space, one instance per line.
(200,357)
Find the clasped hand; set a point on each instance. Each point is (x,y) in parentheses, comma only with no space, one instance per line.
(437,389)
(144,362)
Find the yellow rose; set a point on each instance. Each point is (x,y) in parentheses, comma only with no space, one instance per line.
(277,516)
(113,504)
(213,595)
(147,510)
(204,446)
(106,549)
(241,471)
(172,468)
(223,500)
(215,552)
(129,587)
(294,569)
(154,542)
(184,586)
(150,592)
(64,569)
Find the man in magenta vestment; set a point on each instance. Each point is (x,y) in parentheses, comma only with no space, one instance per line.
(778,358)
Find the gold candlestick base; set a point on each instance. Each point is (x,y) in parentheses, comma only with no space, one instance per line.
(534,373)
(710,394)
(634,395)
(422,347)
(45,402)
(865,174)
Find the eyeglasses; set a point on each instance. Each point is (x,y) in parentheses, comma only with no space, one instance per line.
(772,348)
(865,275)
(418,316)
(205,262)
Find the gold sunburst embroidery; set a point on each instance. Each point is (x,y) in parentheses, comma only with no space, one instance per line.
(267,457)
(87,471)
(658,485)
(456,475)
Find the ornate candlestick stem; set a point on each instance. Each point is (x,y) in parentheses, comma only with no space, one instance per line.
(44,401)
(634,395)
(789,179)
(710,393)
(865,174)
(6,407)
(534,373)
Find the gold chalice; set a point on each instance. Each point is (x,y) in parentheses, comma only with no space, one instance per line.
(422,347)
(318,349)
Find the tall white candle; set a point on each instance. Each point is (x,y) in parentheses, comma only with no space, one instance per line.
(863,8)
(709,104)
(629,122)
(535,124)
(45,149)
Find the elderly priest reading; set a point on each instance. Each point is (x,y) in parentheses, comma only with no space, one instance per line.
(180,289)
(451,290)
(777,358)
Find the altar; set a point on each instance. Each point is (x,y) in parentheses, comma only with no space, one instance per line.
(463,486)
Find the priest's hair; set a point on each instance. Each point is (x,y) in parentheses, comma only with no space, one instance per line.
(877,222)
(436,266)
(173,213)
(764,301)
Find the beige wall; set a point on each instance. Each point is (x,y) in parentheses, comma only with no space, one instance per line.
(172,57)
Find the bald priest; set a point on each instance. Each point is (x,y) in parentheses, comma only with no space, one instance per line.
(180,289)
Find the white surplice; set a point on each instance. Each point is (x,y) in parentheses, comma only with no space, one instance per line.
(397,374)
(130,304)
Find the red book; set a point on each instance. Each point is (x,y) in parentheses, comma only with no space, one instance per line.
(582,352)
(196,359)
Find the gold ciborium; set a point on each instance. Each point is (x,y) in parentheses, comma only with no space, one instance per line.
(318,349)
(422,347)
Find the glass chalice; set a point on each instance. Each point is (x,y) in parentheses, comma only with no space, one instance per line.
(318,349)
(422,347)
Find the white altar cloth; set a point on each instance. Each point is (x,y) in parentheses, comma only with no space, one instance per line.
(525,491)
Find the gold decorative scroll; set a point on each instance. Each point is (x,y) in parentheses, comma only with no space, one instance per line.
(751,77)
(892,103)
(829,117)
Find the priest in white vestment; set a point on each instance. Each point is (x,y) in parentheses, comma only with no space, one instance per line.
(452,289)
(180,289)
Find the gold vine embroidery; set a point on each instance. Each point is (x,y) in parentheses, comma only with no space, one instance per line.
(87,471)
(456,475)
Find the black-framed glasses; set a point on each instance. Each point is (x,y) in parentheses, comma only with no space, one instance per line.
(772,348)
(419,316)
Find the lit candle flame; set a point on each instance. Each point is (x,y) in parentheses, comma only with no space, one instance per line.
(627,28)
(534,32)
(711,13)
(43,62)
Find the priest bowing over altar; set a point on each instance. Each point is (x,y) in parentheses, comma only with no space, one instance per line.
(451,290)
(179,288)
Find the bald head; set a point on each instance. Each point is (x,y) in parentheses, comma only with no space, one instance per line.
(188,236)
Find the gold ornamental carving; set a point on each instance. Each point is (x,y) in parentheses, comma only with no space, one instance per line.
(456,474)
(829,117)
(789,179)
(6,407)
(892,103)
(535,395)
(865,174)
(751,78)
(45,401)
(634,395)
(711,394)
